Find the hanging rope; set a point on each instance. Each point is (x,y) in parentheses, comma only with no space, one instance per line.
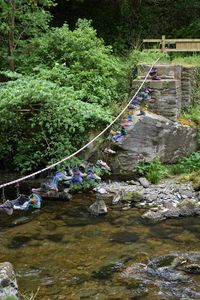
(17,189)
(90,142)
(3,197)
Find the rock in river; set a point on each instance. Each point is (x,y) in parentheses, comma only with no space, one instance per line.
(8,283)
(98,208)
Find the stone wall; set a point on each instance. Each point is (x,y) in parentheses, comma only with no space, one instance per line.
(166,97)
(187,77)
(172,92)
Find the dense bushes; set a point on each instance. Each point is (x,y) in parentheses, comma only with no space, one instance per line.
(41,121)
(79,59)
(64,90)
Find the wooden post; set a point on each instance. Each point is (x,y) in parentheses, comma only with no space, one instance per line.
(163,43)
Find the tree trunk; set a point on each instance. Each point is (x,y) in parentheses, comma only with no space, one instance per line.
(11,34)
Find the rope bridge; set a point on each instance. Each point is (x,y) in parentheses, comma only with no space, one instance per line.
(85,146)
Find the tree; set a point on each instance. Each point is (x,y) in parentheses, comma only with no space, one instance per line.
(19,21)
(73,85)
(124,23)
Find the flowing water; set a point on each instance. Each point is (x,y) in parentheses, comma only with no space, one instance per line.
(69,254)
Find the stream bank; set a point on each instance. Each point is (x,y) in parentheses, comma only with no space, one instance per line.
(168,199)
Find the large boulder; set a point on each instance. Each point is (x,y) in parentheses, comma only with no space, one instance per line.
(8,283)
(149,137)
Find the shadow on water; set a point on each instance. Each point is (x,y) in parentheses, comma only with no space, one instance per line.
(70,254)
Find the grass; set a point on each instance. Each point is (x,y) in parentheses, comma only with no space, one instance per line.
(145,57)
(187,60)
(186,165)
(154,171)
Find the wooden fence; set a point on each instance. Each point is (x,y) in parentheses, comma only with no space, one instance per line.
(172,45)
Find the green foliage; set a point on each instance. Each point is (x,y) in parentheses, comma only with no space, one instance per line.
(142,57)
(188,60)
(10,298)
(187,164)
(45,122)
(79,59)
(19,21)
(65,89)
(154,171)
(191,31)
(192,112)
(124,23)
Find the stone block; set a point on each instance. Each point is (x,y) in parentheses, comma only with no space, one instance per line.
(165,98)
(164,71)
(186,85)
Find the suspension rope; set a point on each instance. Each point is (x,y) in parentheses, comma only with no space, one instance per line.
(3,197)
(17,189)
(90,142)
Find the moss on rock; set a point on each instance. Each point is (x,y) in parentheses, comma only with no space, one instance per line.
(133,197)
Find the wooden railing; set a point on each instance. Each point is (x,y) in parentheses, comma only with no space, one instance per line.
(172,45)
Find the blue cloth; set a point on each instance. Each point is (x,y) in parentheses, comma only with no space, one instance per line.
(59,176)
(144,95)
(92,176)
(117,137)
(77,179)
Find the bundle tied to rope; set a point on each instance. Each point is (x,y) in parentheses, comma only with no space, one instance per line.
(85,146)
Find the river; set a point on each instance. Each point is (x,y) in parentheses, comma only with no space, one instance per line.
(69,254)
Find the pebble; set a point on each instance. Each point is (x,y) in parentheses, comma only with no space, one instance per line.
(125,208)
(101,191)
(161,197)
(144,182)
(154,208)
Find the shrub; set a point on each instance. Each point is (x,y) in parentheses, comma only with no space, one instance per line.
(69,85)
(187,164)
(44,122)
(154,171)
(78,59)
